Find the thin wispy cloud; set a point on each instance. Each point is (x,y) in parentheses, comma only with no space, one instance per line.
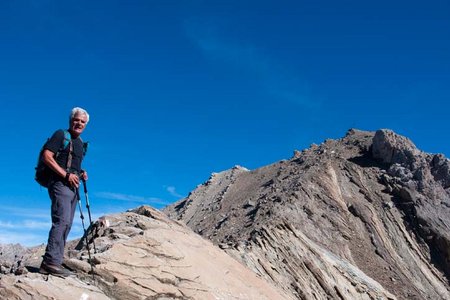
(32,224)
(26,232)
(26,224)
(274,78)
(242,55)
(26,212)
(32,231)
(6,225)
(24,238)
(173,192)
(130,198)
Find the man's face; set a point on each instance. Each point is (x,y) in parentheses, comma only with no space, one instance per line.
(78,123)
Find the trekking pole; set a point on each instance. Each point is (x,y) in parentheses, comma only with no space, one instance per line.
(85,233)
(89,213)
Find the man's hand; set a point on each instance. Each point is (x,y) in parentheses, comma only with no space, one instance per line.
(73,180)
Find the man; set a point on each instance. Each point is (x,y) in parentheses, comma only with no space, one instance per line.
(65,165)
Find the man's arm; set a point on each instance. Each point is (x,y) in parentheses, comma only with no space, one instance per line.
(49,160)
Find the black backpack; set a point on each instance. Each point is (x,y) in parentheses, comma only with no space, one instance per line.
(43,172)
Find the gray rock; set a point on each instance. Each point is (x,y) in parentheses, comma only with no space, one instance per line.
(363,217)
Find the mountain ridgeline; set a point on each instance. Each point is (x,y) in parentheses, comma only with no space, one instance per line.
(363,217)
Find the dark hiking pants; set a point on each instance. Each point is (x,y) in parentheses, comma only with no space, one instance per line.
(64,203)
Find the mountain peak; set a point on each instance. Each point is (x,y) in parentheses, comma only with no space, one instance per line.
(370,201)
(366,216)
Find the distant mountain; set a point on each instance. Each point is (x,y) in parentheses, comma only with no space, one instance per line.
(363,217)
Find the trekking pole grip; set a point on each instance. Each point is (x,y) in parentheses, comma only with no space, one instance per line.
(84,185)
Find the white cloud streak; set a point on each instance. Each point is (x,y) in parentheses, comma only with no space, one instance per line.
(26,224)
(24,238)
(6,225)
(32,224)
(26,232)
(274,79)
(26,212)
(130,198)
(173,192)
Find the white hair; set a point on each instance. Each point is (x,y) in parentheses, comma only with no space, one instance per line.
(79,110)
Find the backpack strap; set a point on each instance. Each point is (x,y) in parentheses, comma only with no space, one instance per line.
(67,139)
(69,158)
(85,148)
(68,142)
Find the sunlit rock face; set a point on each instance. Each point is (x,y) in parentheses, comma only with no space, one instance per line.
(363,217)
(141,254)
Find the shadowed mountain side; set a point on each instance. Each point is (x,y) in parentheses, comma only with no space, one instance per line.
(142,255)
(347,219)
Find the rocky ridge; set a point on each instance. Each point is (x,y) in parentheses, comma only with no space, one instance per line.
(363,217)
(141,254)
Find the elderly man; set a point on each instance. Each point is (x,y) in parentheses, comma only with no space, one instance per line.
(65,166)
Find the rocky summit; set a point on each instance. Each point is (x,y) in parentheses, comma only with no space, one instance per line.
(363,217)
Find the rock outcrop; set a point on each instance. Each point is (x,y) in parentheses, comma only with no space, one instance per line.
(363,217)
(11,258)
(140,255)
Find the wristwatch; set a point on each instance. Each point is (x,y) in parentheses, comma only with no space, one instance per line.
(67,177)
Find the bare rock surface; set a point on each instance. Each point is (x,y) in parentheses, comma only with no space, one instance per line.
(363,217)
(141,254)
(12,258)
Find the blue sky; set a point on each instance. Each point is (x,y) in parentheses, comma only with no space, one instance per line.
(177,90)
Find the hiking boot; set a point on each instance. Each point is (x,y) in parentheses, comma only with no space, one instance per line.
(55,270)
